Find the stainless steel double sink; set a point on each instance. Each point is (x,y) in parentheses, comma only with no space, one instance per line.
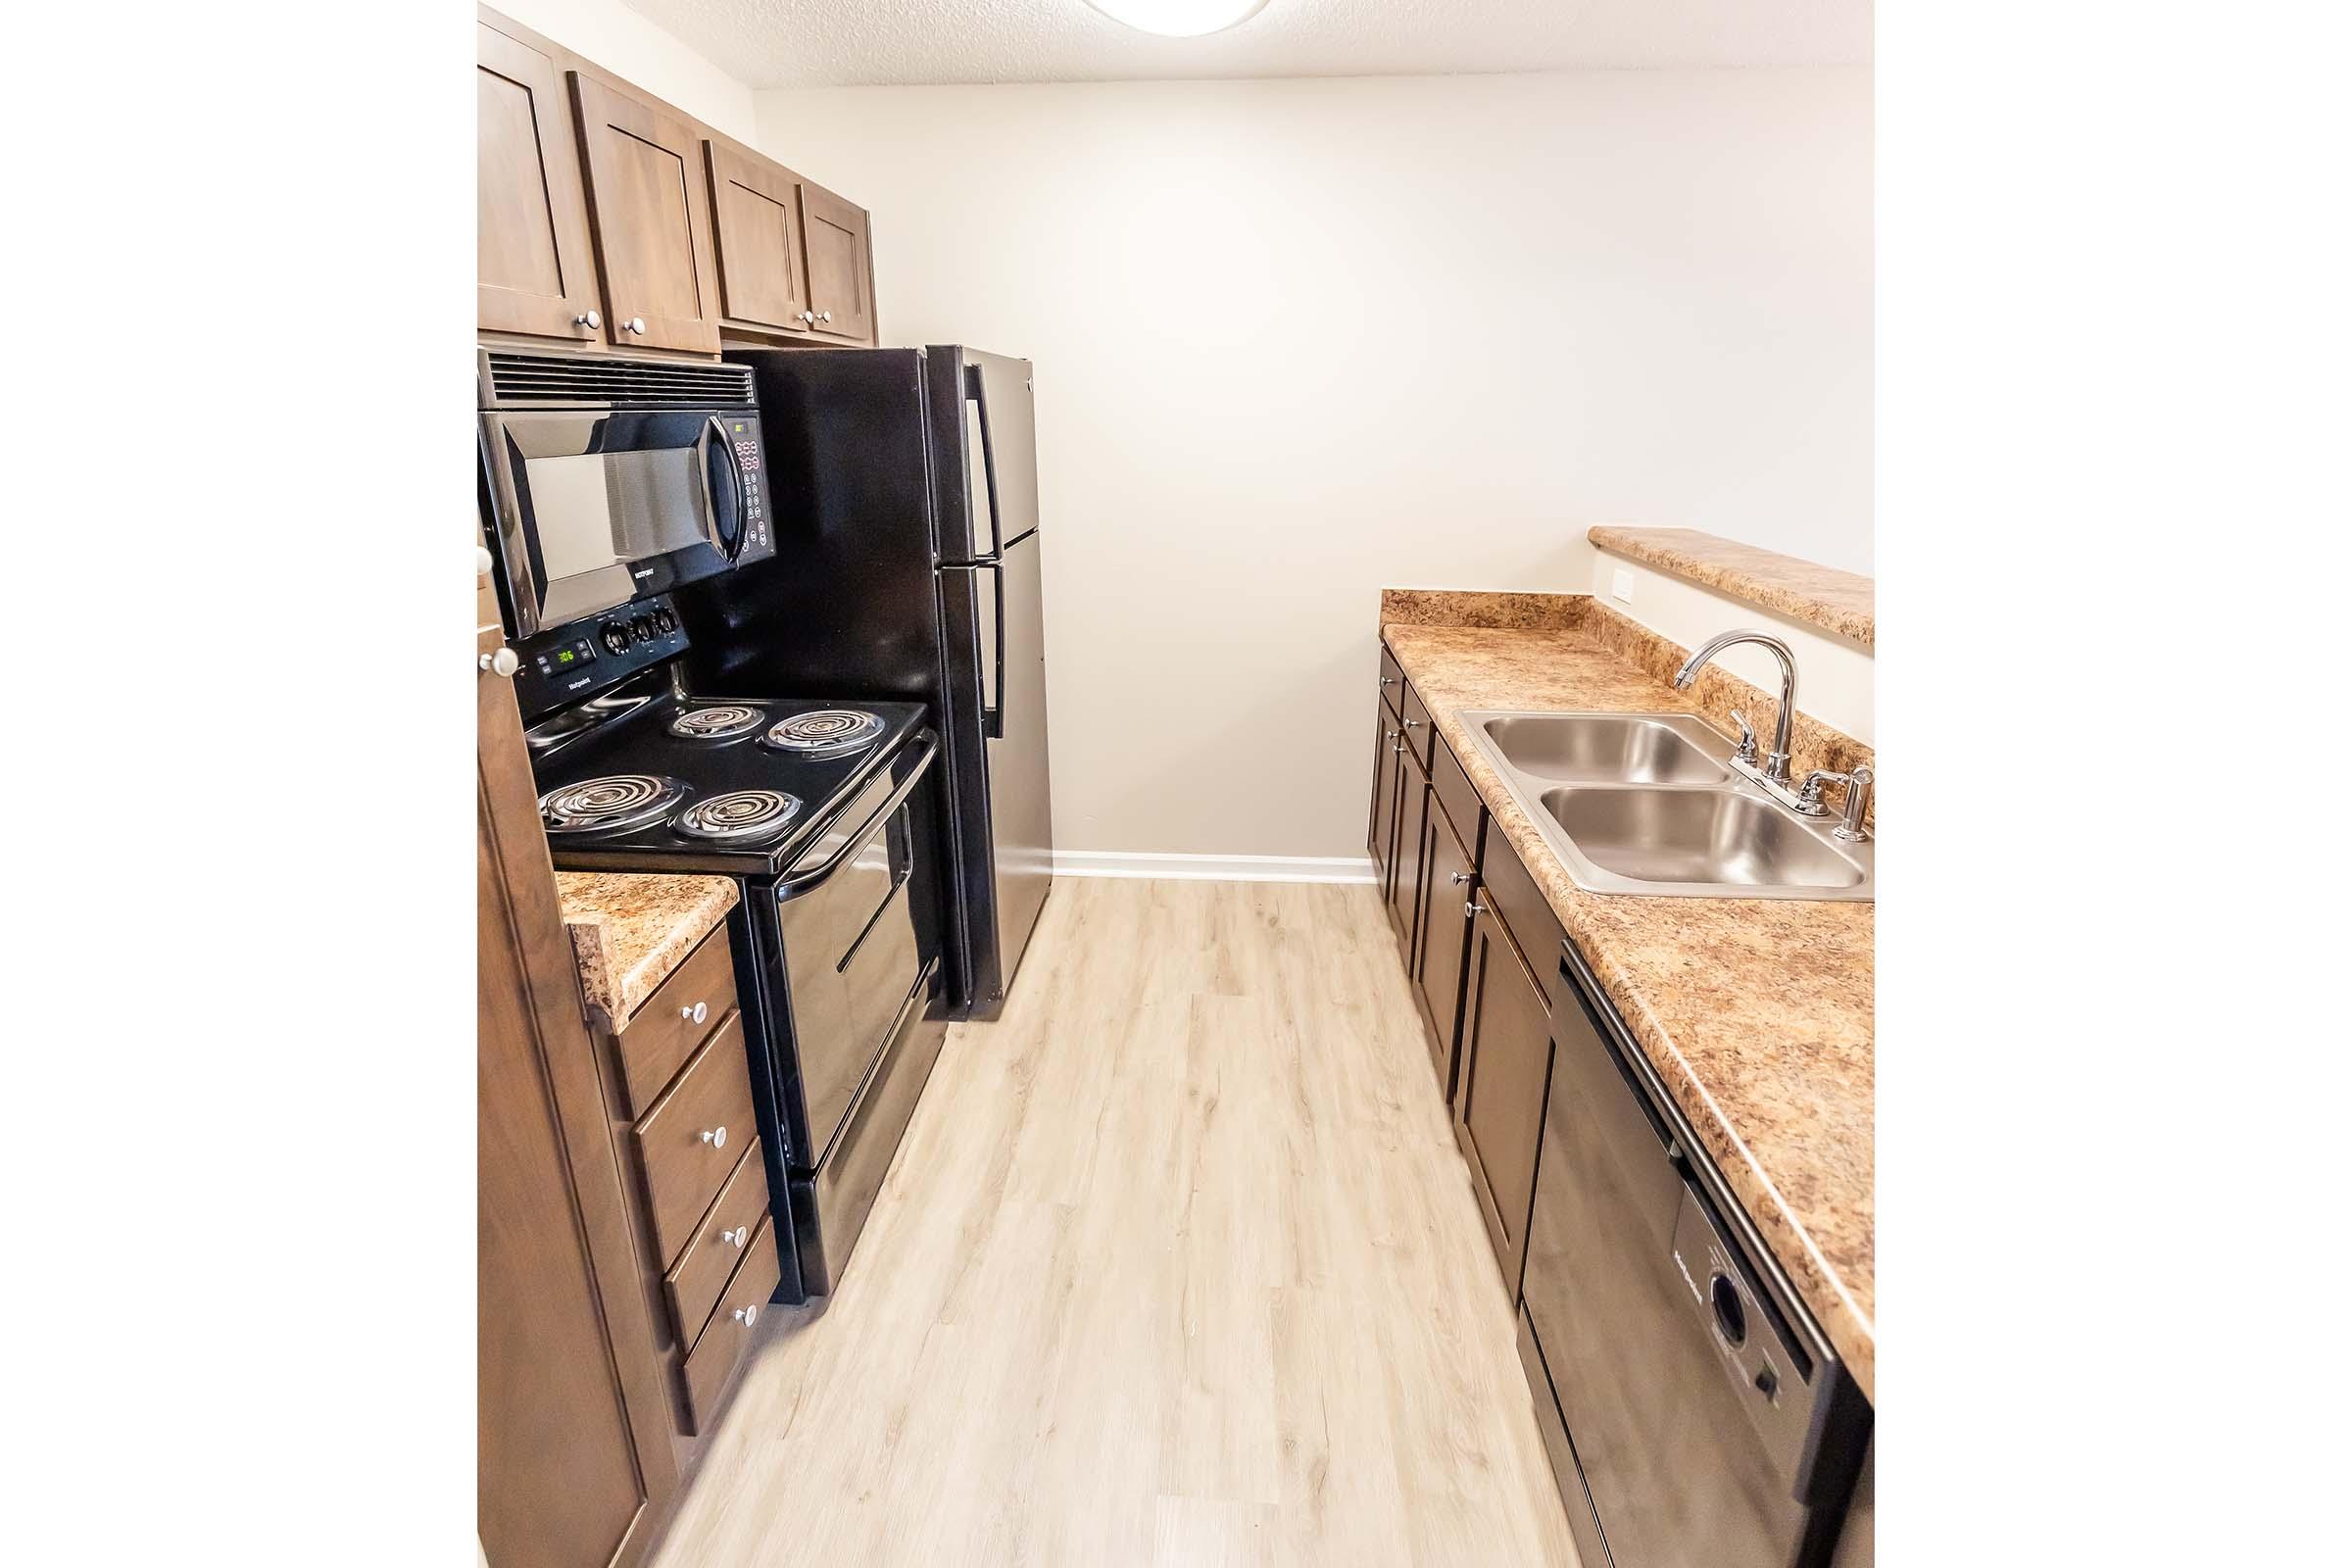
(1648,803)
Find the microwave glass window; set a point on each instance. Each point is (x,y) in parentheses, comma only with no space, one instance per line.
(573,507)
(602,507)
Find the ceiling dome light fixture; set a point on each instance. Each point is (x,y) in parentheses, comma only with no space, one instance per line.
(1180,19)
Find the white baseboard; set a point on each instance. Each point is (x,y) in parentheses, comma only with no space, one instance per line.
(1215,868)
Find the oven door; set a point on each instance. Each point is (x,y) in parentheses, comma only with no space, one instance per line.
(597,507)
(852,951)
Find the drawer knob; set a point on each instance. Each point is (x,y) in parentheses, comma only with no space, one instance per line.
(696,1014)
(715,1139)
(1460,877)
(1388,680)
(1413,723)
(736,1237)
(746,1315)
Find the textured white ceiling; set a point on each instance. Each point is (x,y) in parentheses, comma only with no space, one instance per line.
(808,43)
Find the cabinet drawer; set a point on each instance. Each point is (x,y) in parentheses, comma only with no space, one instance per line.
(1458,797)
(1519,903)
(720,1348)
(1418,730)
(688,1144)
(1391,680)
(694,1283)
(690,1007)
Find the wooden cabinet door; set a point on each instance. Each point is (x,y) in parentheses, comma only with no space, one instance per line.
(531,221)
(841,278)
(1387,762)
(1506,1073)
(573,1461)
(651,209)
(756,216)
(1449,882)
(1412,814)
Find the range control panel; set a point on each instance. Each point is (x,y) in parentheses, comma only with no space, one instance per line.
(570,663)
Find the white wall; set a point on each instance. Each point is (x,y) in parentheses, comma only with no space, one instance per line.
(1299,340)
(1835,677)
(637,50)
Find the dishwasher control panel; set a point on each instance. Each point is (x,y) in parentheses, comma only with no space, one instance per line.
(1773,1376)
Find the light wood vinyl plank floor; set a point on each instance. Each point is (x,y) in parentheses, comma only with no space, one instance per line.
(1178,1266)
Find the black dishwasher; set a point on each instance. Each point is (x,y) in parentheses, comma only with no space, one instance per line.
(1706,1419)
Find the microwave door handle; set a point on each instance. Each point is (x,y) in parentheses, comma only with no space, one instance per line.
(715,432)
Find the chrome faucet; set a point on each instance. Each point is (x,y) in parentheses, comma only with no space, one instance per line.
(1776,762)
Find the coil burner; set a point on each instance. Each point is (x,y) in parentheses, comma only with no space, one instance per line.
(719,723)
(827,732)
(607,805)
(739,815)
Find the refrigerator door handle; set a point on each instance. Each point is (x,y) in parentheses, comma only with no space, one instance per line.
(975,390)
(992,718)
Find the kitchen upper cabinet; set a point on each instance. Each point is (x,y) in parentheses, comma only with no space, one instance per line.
(574,1460)
(650,207)
(840,268)
(1505,1071)
(532,270)
(762,266)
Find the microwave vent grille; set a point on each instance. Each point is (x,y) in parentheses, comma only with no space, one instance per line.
(525,378)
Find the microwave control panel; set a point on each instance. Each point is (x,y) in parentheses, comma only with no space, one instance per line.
(576,662)
(744,434)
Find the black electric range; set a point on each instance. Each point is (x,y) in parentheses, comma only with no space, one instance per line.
(828,817)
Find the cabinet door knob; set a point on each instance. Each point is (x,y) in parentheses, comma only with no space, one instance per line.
(746,1315)
(696,1014)
(1474,908)
(506,661)
(1460,877)
(635,323)
(736,1237)
(589,320)
(483,561)
(824,315)
(715,1139)
(809,318)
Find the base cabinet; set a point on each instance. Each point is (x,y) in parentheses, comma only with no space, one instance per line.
(573,1466)
(1498,1103)
(1440,957)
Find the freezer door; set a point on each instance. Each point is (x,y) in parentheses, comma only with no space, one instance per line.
(993,499)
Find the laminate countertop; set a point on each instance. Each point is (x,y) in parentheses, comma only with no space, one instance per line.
(1757,1014)
(630,930)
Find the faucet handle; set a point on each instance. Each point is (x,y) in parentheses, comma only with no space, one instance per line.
(1808,795)
(1747,738)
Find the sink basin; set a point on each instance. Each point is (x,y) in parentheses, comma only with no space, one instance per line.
(1712,837)
(1610,748)
(1649,804)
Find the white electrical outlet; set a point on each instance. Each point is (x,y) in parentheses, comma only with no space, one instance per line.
(1621,585)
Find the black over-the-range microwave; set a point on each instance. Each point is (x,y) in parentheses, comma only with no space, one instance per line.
(607,479)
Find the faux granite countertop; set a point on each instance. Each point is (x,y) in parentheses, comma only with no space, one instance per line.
(630,931)
(1757,1014)
(1843,602)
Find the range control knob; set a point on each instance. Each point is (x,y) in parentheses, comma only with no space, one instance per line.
(664,622)
(614,637)
(642,629)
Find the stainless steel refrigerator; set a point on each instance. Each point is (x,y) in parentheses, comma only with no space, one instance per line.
(906,566)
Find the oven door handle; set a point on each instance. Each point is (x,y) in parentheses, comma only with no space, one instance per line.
(800,880)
